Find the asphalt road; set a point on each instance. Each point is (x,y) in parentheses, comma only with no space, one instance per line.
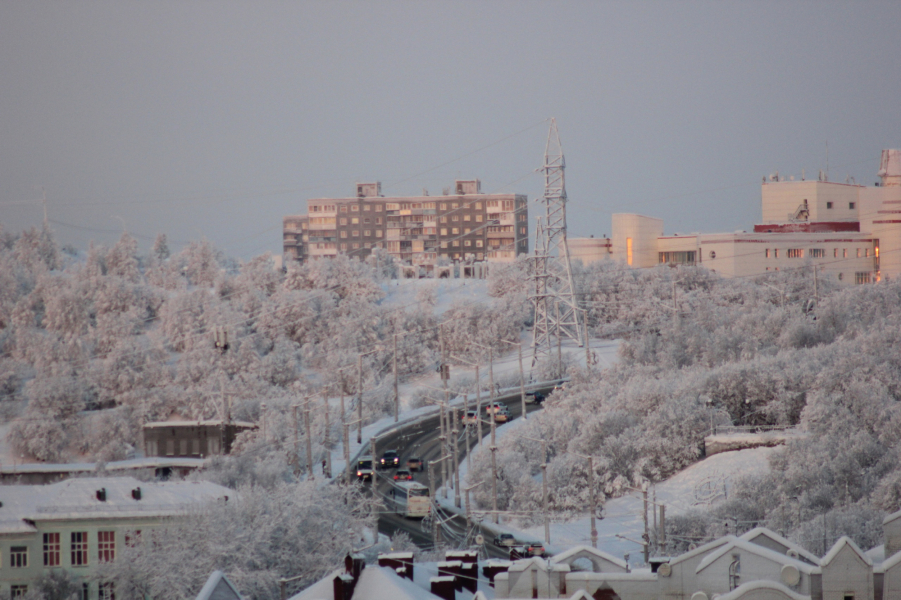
(421,440)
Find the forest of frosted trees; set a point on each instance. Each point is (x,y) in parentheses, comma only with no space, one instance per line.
(93,345)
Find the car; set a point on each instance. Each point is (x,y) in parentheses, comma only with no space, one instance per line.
(390,460)
(502,416)
(493,407)
(414,464)
(403,475)
(505,539)
(535,549)
(470,417)
(364,468)
(535,398)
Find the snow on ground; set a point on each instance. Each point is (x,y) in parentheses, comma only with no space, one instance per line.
(701,485)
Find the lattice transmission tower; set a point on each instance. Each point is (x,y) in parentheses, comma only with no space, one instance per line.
(552,293)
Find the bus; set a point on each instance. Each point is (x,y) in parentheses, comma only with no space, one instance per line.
(411,499)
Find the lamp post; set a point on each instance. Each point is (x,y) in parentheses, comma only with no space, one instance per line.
(592,493)
(522,379)
(360,392)
(547,523)
(478,410)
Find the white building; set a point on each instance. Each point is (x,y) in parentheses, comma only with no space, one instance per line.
(848,231)
(78,523)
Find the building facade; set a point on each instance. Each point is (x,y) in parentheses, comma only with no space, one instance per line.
(418,230)
(847,231)
(76,524)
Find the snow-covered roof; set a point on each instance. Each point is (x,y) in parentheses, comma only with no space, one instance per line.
(892,517)
(210,423)
(218,587)
(761,584)
(525,564)
(382,583)
(704,549)
(839,545)
(323,589)
(763,531)
(577,550)
(77,499)
(763,552)
(119,465)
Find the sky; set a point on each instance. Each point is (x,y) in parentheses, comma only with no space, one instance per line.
(213,120)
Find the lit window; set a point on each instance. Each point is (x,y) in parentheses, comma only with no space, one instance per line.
(455,231)
(378,233)
(378,220)
(342,221)
(355,221)
(366,207)
(344,234)
(478,218)
(444,219)
(844,253)
(367,233)
(835,253)
(466,230)
(355,208)
(444,231)
(51,549)
(858,253)
(795,253)
(455,218)
(106,546)
(767,252)
(467,243)
(443,206)
(355,233)
(479,243)
(454,205)
(378,208)
(467,218)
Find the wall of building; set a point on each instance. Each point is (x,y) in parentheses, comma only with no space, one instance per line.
(590,250)
(826,201)
(634,239)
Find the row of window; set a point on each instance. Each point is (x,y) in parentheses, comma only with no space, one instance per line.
(366,233)
(378,207)
(106,591)
(78,549)
(818,253)
(851,205)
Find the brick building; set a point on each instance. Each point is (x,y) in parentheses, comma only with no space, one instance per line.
(418,230)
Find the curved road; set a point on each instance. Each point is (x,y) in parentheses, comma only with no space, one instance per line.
(421,440)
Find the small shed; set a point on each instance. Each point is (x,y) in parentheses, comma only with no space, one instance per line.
(197,439)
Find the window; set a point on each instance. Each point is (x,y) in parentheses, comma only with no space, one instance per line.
(378,208)
(378,233)
(851,205)
(170,447)
(455,218)
(344,246)
(479,243)
(861,278)
(829,205)
(342,221)
(443,206)
(866,253)
(454,205)
(844,253)
(17,591)
(344,209)
(444,244)
(344,234)
(378,220)
(84,592)
(841,276)
(455,230)
(467,243)
(477,206)
(367,233)
(735,572)
(18,557)
(858,253)
(51,549)
(107,591)
(106,546)
(817,253)
(79,548)
(776,253)
(455,244)
(355,208)
(356,246)
(767,253)
(713,254)
(628,251)
(444,231)
(835,253)
(795,253)
(444,219)
(478,218)
(355,221)
(355,233)
(366,208)
(467,217)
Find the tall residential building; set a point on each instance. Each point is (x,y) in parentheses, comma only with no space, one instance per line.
(417,230)
(849,231)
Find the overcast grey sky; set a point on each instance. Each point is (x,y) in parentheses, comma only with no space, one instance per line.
(215,119)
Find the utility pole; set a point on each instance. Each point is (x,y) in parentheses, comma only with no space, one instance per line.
(646,537)
(328,441)
(456,440)
(587,344)
(816,288)
(396,397)
(675,306)
(478,406)
(360,401)
(306,418)
(522,384)
(594,503)
(445,375)
(296,441)
(547,522)
(346,439)
(493,449)
(662,536)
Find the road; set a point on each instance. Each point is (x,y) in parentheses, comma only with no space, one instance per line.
(421,440)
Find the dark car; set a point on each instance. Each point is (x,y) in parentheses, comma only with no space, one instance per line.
(535,398)
(414,464)
(390,460)
(403,475)
(535,549)
(505,539)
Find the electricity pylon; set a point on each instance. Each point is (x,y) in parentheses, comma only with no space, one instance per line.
(552,290)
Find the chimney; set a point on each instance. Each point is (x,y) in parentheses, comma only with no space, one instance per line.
(443,587)
(451,568)
(343,587)
(136,493)
(401,562)
(101,494)
(493,567)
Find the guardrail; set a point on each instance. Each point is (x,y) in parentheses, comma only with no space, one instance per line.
(726,429)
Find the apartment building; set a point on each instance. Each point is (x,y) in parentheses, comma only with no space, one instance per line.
(418,230)
(78,523)
(848,231)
